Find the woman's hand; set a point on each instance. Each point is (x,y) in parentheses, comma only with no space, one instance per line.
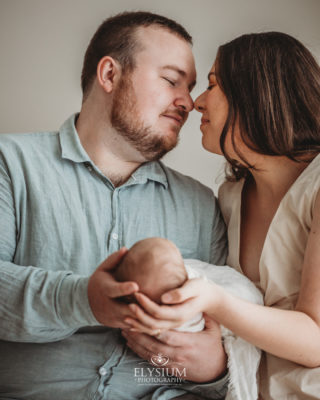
(196,295)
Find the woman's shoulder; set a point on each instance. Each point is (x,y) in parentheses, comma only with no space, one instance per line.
(230,191)
(301,197)
(229,196)
(312,172)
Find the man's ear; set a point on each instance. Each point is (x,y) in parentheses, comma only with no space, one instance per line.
(108,73)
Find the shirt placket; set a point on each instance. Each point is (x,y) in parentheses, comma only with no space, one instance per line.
(114,237)
(104,391)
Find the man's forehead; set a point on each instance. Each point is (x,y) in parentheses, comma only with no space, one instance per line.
(155,30)
(166,49)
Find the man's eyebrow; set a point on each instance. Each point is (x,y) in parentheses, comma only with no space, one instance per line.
(174,68)
(180,72)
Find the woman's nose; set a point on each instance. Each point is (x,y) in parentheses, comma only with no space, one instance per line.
(199,103)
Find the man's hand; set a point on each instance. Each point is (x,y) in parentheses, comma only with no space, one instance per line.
(202,353)
(103,291)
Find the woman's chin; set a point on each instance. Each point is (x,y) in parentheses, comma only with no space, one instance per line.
(212,148)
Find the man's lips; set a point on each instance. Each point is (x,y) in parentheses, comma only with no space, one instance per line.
(175,117)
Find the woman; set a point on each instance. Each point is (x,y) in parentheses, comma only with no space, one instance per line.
(262,112)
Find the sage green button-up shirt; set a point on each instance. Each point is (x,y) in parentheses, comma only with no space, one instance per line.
(59,218)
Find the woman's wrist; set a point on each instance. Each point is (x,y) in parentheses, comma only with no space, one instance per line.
(217,296)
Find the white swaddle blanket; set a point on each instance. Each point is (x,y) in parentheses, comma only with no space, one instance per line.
(243,357)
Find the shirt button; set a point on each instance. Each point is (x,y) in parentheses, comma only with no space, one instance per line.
(115,236)
(102,371)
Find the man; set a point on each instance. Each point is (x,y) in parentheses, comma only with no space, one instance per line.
(70,198)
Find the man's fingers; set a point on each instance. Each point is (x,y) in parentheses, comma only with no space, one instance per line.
(154,348)
(114,288)
(138,349)
(173,338)
(146,346)
(118,289)
(188,290)
(113,260)
(122,325)
(121,309)
(114,313)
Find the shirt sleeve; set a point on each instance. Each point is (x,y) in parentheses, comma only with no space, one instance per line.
(219,240)
(36,305)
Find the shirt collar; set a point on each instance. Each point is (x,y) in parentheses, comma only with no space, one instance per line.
(153,170)
(72,149)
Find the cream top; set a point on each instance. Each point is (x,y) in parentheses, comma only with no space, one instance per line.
(280,269)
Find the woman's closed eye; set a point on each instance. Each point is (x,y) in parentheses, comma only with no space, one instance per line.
(211,86)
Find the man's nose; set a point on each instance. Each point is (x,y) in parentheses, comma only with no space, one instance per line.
(184,102)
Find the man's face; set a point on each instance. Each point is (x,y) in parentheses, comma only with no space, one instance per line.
(152,103)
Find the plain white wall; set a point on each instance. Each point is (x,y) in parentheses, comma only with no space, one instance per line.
(42,45)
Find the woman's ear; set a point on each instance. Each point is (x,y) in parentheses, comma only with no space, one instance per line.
(108,73)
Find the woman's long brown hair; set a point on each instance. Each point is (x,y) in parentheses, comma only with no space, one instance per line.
(272,84)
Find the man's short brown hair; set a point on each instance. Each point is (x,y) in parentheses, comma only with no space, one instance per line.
(115,37)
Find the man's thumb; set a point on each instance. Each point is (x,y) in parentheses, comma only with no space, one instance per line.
(113,260)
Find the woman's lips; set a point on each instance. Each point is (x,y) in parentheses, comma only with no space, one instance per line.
(204,121)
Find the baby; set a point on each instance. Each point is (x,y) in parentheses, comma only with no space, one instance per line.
(157,266)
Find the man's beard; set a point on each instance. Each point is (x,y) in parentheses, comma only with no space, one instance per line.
(125,118)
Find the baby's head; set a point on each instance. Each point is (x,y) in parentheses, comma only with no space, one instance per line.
(155,264)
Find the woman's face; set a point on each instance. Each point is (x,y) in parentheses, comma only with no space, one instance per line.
(213,105)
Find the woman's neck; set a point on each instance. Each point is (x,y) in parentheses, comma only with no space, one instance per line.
(274,176)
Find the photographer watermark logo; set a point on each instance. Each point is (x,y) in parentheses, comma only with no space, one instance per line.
(159,360)
(159,373)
